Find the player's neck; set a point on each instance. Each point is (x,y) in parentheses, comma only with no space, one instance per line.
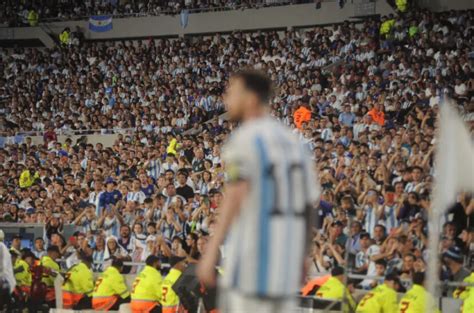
(256,113)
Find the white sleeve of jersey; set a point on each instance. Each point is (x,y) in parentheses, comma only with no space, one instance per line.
(313,188)
(237,157)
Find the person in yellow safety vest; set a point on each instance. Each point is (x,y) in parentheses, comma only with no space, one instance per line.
(313,285)
(386,26)
(172,147)
(466,293)
(23,278)
(22,271)
(51,271)
(401,5)
(381,299)
(146,289)
(32,17)
(78,285)
(169,299)
(335,289)
(110,289)
(65,36)
(417,298)
(27,178)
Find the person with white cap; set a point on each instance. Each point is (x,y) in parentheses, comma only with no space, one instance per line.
(7,279)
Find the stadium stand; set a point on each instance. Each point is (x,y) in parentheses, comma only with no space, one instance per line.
(19,13)
(363,96)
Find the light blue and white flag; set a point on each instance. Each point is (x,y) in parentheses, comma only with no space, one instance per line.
(100,23)
(183,18)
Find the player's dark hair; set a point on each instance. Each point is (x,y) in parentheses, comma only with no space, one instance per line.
(256,82)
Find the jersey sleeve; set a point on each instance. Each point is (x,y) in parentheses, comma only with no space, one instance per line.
(237,158)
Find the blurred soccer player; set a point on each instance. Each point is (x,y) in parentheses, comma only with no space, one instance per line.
(269,196)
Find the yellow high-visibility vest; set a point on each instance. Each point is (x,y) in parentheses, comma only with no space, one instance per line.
(48,262)
(381,299)
(401,5)
(415,300)
(334,289)
(111,283)
(79,279)
(64,37)
(32,18)
(147,285)
(169,297)
(23,278)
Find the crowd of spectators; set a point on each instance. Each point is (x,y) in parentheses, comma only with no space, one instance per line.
(16,12)
(363,97)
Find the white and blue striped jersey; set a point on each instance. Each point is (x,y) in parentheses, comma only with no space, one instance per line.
(390,213)
(154,169)
(266,245)
(137,196)
(94,199)
(371,220)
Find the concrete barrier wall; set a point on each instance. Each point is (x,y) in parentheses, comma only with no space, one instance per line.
(106,140)
(209,22)
(22,33)
(223,21)
(444,5)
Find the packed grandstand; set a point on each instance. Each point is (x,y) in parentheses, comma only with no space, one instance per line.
(19,13)
(364,98)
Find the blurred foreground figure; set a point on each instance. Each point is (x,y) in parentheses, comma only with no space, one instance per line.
(269,197)
(7,279)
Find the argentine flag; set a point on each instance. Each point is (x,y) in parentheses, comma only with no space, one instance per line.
(100,23)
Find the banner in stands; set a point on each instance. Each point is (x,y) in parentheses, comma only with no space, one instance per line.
(100,23)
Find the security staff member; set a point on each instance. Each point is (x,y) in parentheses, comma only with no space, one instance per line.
(146,289)
(51,270)
(417,298)
(401,5)
(335,289)
(32,18)
(386,27)
(466,294)
(65,36)
(381,299)
(170,300)
(78,285)
(21,269)
(110,289)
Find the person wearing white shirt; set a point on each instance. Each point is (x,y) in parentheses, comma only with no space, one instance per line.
(460,88)
(136,194)
(95,195)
